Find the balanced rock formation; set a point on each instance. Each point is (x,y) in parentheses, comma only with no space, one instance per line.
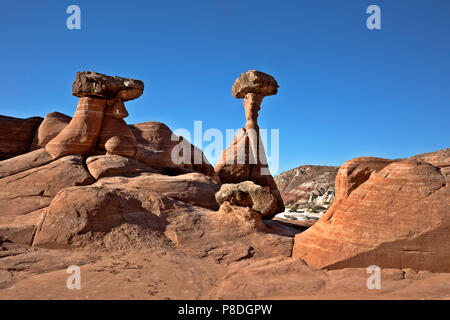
(393,214)
(248,194)
(98,121)
(245,158)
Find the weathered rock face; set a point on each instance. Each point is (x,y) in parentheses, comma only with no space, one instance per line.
(116,200)
(248,194)
(80,136)
(355,172)
(93,84)
(20,229)
(307,185)
(109,166)
(34,189)
(156,143)
(52,125)
(16,135)
(254,81)
(24,162)
(439,159)
(386,213)
(115,136)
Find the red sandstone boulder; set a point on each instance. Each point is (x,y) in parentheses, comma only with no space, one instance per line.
(248,194)
(389,214)
(52,125)
(110,165)
(77,211)
(117,200)
(16,135)
(156,143)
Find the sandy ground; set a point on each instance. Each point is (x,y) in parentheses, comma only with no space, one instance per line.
(165,272)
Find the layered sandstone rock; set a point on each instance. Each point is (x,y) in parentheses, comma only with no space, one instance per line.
(24,162)
(52,125)
(111,165)
(16,135)
(115,200)
(161,149)
(34,189)
(98,122)
(248,194)
(115,135)
(386,213)
(245,158)
(80,136)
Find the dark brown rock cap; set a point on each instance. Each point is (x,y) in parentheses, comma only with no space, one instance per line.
(93,84)
(254,81)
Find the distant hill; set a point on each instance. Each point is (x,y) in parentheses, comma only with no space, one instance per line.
(307,185)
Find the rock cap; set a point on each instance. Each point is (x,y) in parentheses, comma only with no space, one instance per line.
(93,84)
(254,81)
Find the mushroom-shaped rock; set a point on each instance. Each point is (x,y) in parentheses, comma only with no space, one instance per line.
(256,82)
(245,158)
(89,83)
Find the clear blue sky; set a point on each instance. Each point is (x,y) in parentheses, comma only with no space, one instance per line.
(345,91)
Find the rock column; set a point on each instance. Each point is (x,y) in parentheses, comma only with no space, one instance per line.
(245,159)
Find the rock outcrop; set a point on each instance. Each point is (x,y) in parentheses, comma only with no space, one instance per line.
(81,135)
(16,135)
(245,159)
(156,148)
(393,214)
(34,189)
(24,162)
(307,185)
(93,84)
(52,125)
(111,165)
(248,194)
(98,122)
